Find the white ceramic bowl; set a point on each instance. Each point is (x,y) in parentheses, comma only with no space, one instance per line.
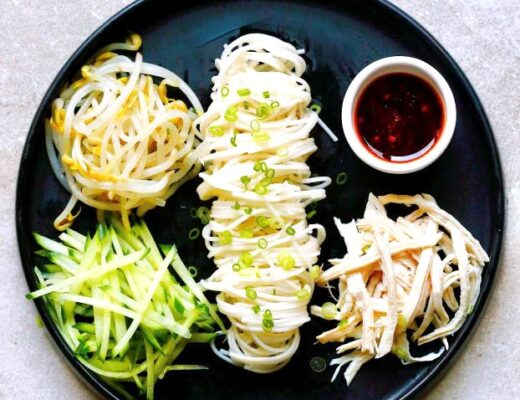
(392,65)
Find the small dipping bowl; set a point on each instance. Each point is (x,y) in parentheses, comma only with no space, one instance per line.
(401,65)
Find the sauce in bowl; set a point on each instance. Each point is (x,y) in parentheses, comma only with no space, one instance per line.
(399,117)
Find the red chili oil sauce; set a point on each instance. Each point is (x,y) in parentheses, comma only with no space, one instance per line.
(399,117)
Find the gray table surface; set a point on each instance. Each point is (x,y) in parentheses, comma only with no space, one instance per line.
(37,37)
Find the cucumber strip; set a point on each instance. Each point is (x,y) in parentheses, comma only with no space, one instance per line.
(51,245)
(144,305)
(118,305)
(90,274)
(182,367)
(150,381)
(72,241)
(84,327)
(202,337)
(186,277)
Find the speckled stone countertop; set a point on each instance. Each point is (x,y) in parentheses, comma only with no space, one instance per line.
(38,36)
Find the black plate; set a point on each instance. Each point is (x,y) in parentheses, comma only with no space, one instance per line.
(466,180)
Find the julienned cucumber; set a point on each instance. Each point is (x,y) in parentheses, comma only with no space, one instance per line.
(117,304)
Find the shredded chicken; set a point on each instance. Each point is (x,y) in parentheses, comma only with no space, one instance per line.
(398,277)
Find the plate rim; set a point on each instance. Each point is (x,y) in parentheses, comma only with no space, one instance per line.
(440,368)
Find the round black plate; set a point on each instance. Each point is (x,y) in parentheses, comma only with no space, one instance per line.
(466,180)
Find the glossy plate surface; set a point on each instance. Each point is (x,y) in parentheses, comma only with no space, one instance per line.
(466,180)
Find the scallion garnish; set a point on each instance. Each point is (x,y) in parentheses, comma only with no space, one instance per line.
(245,180)
(262,243)
(255,125)
(316,108)
(225,238)
(262,111)
(290,231)
(266,94)
(243,92)
(246,234)
(274,104)
(261,137)
(245,260)
(341,179)
(250,293)
(285,260)
(193,234)
(329,310)
(193,271)
(224,91)
(303,294)
(260,189)
(311,214)
(256,309)
(262,221)
(216,131)
(315,271)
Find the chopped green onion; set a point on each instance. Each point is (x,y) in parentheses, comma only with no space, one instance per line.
(193,271)
(262,243)
(268,314)
(231,114)
(216,131)
(290,231)
(318,364)
(311,214)
(245,260)
(341,179)
(267,325)
(315,271)
(265,182)
(261,137)
(256,309)
(224,91)
(275,104)
(193,213)
(245,180)
(260,189)
(303,294)
(248,210)
(246,105)
(282,151)
(233,140)
(243,92)
(225,238)
(236,206)
(194,234)
(255,125)
(257,166)
(285,260)
(316,108)
(269,173)
(236,267)
(365,248)
(250,293)
(246,233)
(262,222)
(342,323)
(329,310)
(276,222)
(203,211)
(266,94)
(262,111)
